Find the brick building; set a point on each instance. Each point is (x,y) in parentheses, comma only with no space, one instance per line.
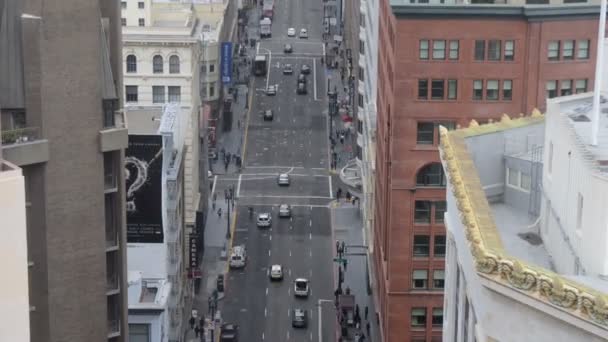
(447,65)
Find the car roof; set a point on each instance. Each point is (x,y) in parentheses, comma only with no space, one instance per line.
(264,215)
(284,206)
(283,175)
(276,267)
(301,279)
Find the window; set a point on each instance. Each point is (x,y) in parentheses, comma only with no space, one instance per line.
(452,89)
(581,86)
(492,90)
(421,245)
(439,246)
(424,49)
(174,64)
(361,74)
(525,181)
(568,49)
(440,208)
(551,89)
(423,89)
(507,90)
(174,94)
(431,175)
(425,133)
(477,90)
(454,46)
(422,212)
(142,22)
(123,4)
(439,49)
(131,63)
(211,90)
(509,50)
(360,100)
(494,52)
(553,50)
(139,332)
(158,94)
(437,317)
(131,93)
(418,317)
(480,50)
(565,88)
(579,212)
(438,279)
(211,68)
(583,49)
(361,47)
(362,20)
(420,279)
(437,89)
(140,5)
(157,64)
(123,21)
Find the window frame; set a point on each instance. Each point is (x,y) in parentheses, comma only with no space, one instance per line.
(417,210)
(424,133)
(495,92)
(576,86)
(416,277)
(423,84)
(479,50)
(453,50)
(429,171)
(421,245)
(568,53)
(477,92)
(141,22)
(154,95)
(437,81)
(420,317)
(452,85)
(422,51)
(131,64)
(440,220)
(509,52)
(436,278)
(434,315)
(494,50)
(440,244)
(158,68)
(134,95)
(549,91)
(565,91)
(507,96)
(140,5)
(586,49)
(174,68)
(439,50)
(553,53)
(179,94)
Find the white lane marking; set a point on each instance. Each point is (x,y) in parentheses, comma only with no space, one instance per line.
(238,187)
(310,253)
(289,253)
(262,336)
(288,313)
(265,312)
(311,332)
(267,291)
(310,273)
(314,73)
(288,334)
(322,45)
(270,237)
(289,291)
(310,236)
(214,183)
(269,252)
(290,272)
(291,219)
(310,223)
(331,191)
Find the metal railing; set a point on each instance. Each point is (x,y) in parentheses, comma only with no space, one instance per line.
(20,135)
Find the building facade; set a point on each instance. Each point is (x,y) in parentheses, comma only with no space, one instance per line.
(62,125)
(445,66)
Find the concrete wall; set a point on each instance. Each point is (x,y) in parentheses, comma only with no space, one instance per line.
(150,258)
(158,324)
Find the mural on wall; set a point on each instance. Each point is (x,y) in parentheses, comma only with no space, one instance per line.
(143,168)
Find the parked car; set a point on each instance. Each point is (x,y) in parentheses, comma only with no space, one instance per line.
(291,32)
(303,33)
(300,287)
(276,272)
(301,89)
(305,69)
(238,257)
(268,115)
(271,90)
(283,179)
(287,69)
(264,220)
(229,332)
(284,210)
(288,48)
(299,318)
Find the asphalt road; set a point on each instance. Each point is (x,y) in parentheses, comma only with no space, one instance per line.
(295,142)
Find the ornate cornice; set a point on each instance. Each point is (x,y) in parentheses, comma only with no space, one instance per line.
(491,259)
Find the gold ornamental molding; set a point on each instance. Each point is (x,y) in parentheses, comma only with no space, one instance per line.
(491,259)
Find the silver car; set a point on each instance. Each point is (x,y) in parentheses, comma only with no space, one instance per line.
(271,90)
(264,220)
(284,210)
(283,179)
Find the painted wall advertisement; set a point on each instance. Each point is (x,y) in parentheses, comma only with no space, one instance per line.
(226,62)
(143,169)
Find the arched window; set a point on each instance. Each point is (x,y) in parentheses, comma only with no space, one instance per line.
(157,64)
(431,175)
(174,64)
(131,63)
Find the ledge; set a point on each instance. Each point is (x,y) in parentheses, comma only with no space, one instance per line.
(27,153)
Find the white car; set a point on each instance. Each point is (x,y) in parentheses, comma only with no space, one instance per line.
(303,33)
(291,32)
(276,272)
(238,257)
(283,179)
(264,220)
(284,210)
(300,287)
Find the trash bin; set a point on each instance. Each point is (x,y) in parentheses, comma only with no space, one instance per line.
(220,283)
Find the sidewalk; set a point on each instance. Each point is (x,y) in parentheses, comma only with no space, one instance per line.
(348,227)
(344,151)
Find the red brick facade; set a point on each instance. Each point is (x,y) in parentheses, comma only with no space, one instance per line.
(400,155)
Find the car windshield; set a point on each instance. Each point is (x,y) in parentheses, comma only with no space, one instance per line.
(301,284)
(236,257)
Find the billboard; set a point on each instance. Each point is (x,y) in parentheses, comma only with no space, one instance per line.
(143,169)
(226,62)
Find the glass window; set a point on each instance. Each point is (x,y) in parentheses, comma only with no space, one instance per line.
(362,20)
(419,279)
(157,64)
(360,100)
(423,89)
(439,49)
(492,90)
(525,181)
(131,63)
(139,332)
(437,89)
(507,90)
(140,5)
(123,21)
(158,94)
(174,64)
(553,50)
(437,317)
(425,133)
(123,4)
(439,246)
(509,50)
(422,212)
(211,68)
(131,93)
(431,175)
(211,90)
(494,51)
(565,87)
(452,89)
(440,208)
(480,50)
(142,22)
(438,279)
(583,49)
(454,46)
(361,47)
(477,90)
(361,73)
(581,86)
(568,49)
(174,94)
(551,89)
(421,245)
(418,317)
(513,177)
(424,49)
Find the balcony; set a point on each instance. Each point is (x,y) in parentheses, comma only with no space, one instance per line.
(24,146)
(113,304)
(114,136)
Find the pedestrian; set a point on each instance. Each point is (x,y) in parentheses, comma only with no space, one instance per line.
(367,328)
(196,330)
(357,312)
(192,321)
(214,197)
(238,123)
(362,337)
(201,324)
(226,168)
(219,212)
(353,201)
(357,325)
(337,246)
(226,195)
(366,312)
(348,195)
(341,140)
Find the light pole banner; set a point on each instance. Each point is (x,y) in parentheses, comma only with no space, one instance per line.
(226,62)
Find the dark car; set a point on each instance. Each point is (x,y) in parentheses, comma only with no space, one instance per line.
(288,48)
(301,78)
(268,115)
(229,333)
(299,318)
(301,90)
(305,69)
(287,69)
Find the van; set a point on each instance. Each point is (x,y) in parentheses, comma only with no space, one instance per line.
(238,257)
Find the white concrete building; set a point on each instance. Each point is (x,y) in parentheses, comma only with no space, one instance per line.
(160,255)
(502,281)
(14,290)
(148,309)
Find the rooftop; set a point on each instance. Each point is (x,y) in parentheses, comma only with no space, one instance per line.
(145,293)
